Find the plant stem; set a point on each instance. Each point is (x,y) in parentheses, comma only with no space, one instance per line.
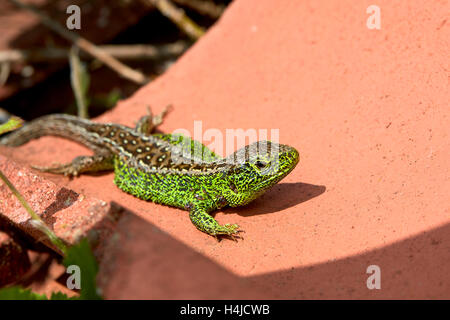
(39,223)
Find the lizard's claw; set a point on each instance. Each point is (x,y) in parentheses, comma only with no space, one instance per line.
(158,119)
(148,123)
(231,230)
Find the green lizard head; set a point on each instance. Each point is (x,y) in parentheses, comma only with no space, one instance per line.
(257,167)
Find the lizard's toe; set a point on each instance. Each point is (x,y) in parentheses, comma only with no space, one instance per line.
(66,170)
(231,230)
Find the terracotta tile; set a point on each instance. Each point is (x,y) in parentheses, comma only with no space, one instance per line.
(69,214)
(368,111)
(143,262)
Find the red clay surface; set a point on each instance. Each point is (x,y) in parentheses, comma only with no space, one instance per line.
(70,215)
(367,109)
(142,262)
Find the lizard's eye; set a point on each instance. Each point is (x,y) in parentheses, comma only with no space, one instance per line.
(260,164)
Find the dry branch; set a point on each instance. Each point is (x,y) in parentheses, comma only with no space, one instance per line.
(123,52)
(85,45)
(177,16)
(208,8)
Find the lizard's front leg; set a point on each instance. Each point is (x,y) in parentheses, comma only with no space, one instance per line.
(148,123)
(82,164)
(205,223)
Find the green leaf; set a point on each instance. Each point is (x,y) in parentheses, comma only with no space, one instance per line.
(17,293)
(61,296)
(82,256)
(13,123)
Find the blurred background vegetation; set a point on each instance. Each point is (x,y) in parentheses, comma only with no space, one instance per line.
(36,76)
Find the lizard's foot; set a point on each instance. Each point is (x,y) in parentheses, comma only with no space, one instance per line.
(158,119)
(65,169)
(204,222)
(81,164)
(230,230)
(148,123)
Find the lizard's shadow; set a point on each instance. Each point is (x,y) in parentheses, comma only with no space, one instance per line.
(64,199)
(278,198)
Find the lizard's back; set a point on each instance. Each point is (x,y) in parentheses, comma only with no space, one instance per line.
(162,168)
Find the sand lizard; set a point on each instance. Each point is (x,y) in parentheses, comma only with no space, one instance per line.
(156,166)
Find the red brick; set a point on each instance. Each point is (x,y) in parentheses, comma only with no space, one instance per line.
(69,214)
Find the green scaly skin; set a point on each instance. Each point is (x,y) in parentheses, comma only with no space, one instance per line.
(168,169)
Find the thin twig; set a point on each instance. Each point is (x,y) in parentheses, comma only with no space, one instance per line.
(5,69)
(80,82)
(35,219)
(123,52)
(177,15)
(203,7)
(86,45)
